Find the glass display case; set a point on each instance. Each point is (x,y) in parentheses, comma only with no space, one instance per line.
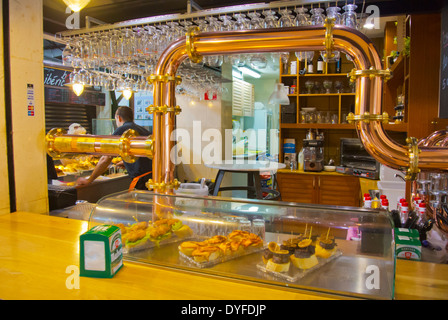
(334,250)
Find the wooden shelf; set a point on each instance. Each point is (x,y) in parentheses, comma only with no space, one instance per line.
(324,75)
(326,94)
(342,126)
(402,127)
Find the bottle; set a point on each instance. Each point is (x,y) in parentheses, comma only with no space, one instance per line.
(385,204)
(416,202)
(404,212)
(368,202)
(310,68)
(338,65)
(320,64)
(422,211)
(293,67)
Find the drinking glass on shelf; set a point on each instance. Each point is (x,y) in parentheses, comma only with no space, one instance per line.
(328,84)
(338,86)
(334,118)
(309,85)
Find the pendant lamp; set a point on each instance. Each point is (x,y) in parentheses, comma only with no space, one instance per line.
(76,5)
(279,96)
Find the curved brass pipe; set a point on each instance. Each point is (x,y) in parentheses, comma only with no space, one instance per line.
(128,145)
(368,94)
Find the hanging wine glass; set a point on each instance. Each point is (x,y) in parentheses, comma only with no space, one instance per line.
(317,17)
(227,24)
(257,60)
(241,22)
(256,22)
(333,13)
(67,55)
(270,19)
(301,20)
(286,19)
(349,16)
(213,26)
(349,19)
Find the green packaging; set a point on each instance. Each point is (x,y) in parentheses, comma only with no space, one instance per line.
(411,233)
(408,248)
(101,254)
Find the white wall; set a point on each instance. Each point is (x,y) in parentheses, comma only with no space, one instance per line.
(26,34)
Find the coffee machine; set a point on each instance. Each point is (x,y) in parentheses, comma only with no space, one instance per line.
(313,153)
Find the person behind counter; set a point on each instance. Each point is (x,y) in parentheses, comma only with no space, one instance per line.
(140,170)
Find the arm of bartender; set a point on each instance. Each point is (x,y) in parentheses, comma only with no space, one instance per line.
(100,168)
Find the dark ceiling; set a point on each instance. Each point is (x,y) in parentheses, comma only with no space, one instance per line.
(111,11)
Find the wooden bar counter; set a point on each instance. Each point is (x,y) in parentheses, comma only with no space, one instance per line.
(36,253)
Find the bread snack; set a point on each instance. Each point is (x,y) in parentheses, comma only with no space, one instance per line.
(304,256)
(221,247)
(144,235)
(279,261)
(325,248)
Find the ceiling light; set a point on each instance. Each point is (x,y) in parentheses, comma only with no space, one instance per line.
(369,25)
(78,88)
(249,72)
(127,94)
(76,5)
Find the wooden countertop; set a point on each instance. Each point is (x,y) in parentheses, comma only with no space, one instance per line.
(36,251)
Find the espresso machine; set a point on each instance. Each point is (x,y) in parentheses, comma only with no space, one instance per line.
(313,152)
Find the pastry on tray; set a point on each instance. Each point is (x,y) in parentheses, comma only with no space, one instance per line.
(234,244)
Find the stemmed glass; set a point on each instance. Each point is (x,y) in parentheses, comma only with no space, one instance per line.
(301,20)
(257,60)
(255,21)
(67,55)
(227,24)
(317,17)
(285,19)
(333,13)
(349,16)
(214,25)
(270,19)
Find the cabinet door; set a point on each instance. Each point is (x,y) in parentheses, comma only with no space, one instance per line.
(297,187)
(339,190)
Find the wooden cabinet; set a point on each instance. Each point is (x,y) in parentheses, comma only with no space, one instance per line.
(331,106)
(339,190)
(416,76)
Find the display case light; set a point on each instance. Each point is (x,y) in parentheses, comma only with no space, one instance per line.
(249,72)
(76,5)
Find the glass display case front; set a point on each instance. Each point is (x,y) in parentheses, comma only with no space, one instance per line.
(334,250)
